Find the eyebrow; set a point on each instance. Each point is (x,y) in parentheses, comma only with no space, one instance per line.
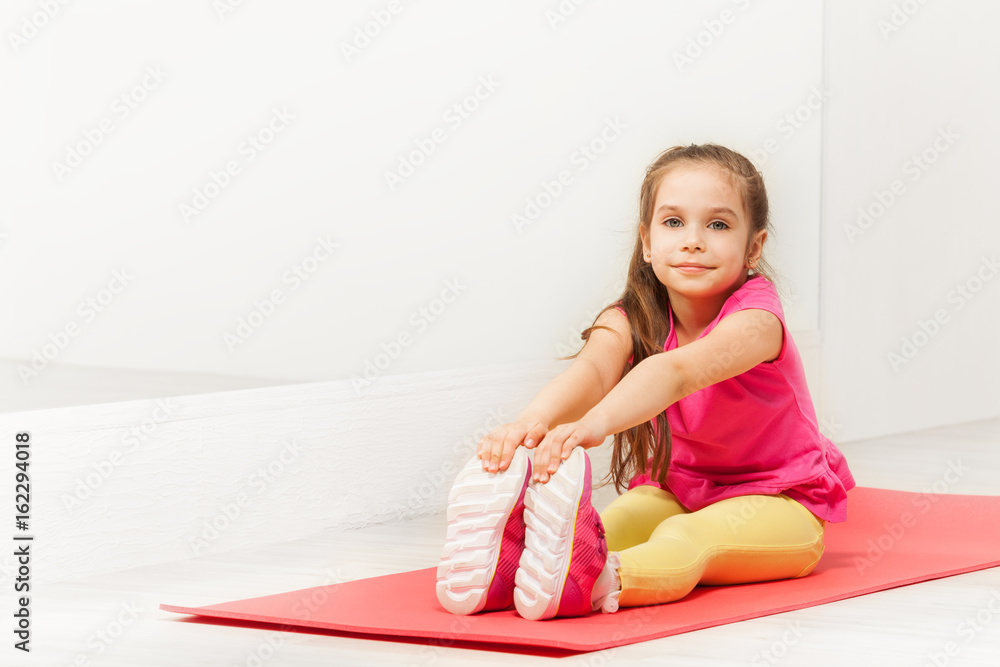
(714,209)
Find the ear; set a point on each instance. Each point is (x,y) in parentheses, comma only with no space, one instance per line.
(757,245)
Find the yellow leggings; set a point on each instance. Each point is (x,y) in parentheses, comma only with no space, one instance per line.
(666,550)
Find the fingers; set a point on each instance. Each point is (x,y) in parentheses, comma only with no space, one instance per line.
(555,448)
(507,447)
(493,450)
(486,446)
(541,461)
(534,436)
(496,450)
(548,455)
(569,445)
(562,449)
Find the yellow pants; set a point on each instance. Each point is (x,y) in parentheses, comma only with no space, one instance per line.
(666,550)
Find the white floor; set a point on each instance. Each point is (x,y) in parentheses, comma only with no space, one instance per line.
(115,620)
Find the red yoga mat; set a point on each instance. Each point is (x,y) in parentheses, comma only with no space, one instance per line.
(891,538)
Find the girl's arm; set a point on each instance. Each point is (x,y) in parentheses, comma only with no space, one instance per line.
(594,372)
(738,343)
(568,396)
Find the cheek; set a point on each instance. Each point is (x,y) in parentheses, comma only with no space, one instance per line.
(664,237)
(733,252)
(733,260)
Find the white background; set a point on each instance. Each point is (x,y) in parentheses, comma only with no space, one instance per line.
(526,295)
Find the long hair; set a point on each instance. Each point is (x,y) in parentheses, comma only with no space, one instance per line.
(645,300)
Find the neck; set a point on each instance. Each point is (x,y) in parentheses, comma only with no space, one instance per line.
(692,315)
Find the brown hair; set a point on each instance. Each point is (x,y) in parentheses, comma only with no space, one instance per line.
(645,299)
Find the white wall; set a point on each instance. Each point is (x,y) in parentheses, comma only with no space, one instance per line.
(524,296)
(929,86)
(528,295)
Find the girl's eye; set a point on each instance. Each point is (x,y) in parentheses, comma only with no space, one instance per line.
(724,225)
(670,220)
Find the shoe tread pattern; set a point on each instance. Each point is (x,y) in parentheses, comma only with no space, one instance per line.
(549,515)
(478,506)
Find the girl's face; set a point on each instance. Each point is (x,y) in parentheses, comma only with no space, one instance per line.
(698,218)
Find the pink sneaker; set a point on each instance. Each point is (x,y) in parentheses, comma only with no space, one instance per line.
(485,536)
(564,546)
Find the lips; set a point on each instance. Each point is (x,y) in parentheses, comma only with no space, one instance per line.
(692,269)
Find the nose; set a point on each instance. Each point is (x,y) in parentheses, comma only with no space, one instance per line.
(692,239)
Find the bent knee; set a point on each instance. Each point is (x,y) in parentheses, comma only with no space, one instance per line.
(631,518)
(622,528)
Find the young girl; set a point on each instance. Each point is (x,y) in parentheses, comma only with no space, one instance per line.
(694,372)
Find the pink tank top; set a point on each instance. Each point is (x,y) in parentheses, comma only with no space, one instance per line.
(755,433)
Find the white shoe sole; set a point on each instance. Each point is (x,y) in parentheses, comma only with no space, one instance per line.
(550,511)
(479,504)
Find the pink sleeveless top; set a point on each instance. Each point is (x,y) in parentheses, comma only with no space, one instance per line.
(755,433)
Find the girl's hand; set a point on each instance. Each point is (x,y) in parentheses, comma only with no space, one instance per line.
(497,449)
(559,443)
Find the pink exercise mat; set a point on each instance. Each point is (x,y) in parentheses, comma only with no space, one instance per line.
(891,538)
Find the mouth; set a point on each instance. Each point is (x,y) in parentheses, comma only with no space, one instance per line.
(691,268)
